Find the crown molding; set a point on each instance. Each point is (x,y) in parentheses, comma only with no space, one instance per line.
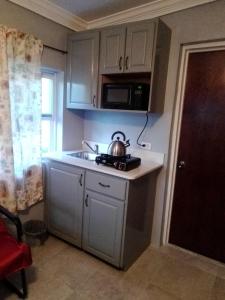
(149,10)
(53,12)
(146,11)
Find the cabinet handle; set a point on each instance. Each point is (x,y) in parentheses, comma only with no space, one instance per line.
(80,180)
(126,63)
(93,101)
(120,62)
(104,185)
(86,201)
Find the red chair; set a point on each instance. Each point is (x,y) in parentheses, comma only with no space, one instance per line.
(14,254)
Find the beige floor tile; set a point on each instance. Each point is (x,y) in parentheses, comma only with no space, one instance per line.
(70,265)
(153,292)
(221,271)
(206,264)
(147,266)
(182,280)
(175,252)
(51,247)
(218,291)
(199,261)
(102,287)
(55,289)
(63,272)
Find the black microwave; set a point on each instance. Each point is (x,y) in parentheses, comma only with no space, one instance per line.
(128,96)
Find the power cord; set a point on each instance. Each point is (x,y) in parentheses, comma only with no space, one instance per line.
(146,122)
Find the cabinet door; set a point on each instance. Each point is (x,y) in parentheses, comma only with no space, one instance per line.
(82,70)
(112,50)
(139,47)
(103,224)
(65,202)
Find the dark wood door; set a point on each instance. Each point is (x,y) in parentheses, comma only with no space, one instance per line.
(198,214)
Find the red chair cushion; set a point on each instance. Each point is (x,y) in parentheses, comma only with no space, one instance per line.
(3,228)
(14,255)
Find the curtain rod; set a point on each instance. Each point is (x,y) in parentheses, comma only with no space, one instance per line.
(55,49)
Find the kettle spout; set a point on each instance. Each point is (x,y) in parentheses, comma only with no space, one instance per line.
(127,143)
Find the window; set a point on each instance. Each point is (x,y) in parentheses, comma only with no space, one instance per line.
(50,112)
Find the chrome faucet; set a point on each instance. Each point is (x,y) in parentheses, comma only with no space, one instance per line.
(96,150)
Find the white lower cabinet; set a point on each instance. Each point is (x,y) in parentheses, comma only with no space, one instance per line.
(64,195)
(107,216)
(103,225)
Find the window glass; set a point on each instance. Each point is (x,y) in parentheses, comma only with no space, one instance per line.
(52,110)
(47,95)
(48,126)
(46,136)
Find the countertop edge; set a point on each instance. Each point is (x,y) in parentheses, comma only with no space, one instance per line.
(148,167)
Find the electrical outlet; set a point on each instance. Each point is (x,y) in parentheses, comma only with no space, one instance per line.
(148,146)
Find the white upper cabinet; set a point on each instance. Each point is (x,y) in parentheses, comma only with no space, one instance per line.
(135,52)
(139,47)
(112,50)
(82,70)
(127,48)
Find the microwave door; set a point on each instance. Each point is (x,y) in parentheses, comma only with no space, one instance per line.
(117,97)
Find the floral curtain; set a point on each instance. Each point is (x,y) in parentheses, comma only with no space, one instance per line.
(20,119)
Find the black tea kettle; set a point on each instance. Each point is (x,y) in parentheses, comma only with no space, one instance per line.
(117,147)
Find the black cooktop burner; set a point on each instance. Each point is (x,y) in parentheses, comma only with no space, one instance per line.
(124,163)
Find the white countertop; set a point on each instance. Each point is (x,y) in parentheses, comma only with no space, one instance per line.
(150,164)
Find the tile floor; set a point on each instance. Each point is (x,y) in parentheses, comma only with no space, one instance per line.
(62,272)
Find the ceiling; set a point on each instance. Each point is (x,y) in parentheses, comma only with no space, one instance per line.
(81,15)
(94,9)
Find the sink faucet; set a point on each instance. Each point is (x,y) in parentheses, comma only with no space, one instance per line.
(89,146)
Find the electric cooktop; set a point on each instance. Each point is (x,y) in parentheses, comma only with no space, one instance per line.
(123,163)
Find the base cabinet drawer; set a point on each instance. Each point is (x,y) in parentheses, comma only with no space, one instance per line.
(102,226)
(106,184)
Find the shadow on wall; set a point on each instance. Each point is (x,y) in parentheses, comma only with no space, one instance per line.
(99,126)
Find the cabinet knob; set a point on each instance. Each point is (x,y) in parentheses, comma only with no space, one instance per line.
(86,201)
(93,101)
(80,180)
(120,62)
(126,63)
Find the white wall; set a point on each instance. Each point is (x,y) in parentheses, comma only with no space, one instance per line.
(99,126)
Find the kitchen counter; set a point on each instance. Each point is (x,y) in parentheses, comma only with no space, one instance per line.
(85,201)
(149,163)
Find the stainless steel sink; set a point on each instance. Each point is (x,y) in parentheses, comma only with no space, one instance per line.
(83,155)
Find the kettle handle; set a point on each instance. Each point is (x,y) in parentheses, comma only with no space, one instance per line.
(118,132)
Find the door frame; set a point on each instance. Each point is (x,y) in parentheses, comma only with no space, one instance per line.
(185,51)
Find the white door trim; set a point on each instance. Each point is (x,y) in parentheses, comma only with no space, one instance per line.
(176,125)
